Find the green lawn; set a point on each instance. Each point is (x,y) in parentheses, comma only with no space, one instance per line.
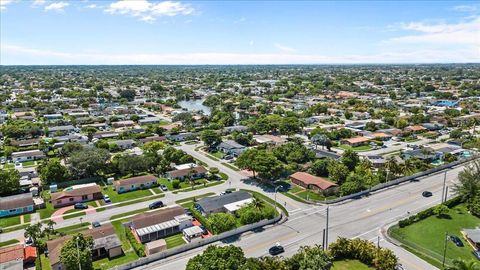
(29,163)
(267,199)
(426,237)
(174,240)
(151,197)
(76,214)
(164,181)
(350,265)
(361,148)
(199,186)
(27,218)
(107,263)
(230,166)
(9,242)
(115,197)
(74,228)
(16,228)
(120,231)
(126,214)
(9,221)
(45,262)
(47,211)
(218,155)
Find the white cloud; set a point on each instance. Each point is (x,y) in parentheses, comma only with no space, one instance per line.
(284,48)
(462,33)
(57,6)
(251,42)
(10,55)
(148,11)
(92,6)
(37,3)
(466,8)
(5,3)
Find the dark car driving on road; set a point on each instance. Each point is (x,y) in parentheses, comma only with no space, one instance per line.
(427,194)
(275,250)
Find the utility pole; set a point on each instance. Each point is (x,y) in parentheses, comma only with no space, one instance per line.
(323,240)
(78,254)
(326,228)
(446,193)
(444,182)
(445,250)
(276,198)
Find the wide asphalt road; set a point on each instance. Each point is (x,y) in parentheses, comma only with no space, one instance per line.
(363,218)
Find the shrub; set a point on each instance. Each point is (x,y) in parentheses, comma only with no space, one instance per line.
(176,184)
(137,247)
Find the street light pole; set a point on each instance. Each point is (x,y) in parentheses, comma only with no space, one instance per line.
(444,182)
(445,250)
(326,228)
(276,197)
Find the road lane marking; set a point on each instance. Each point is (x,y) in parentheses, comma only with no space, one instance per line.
(268,243)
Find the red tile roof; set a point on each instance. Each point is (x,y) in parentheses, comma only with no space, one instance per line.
(309,179)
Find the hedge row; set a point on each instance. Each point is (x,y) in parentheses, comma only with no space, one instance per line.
(427,213)
(138,247)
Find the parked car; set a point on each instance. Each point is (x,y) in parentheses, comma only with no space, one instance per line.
(80,206)
(476,253)
(456,240)
(275,250)
(163,187)
(156,204)
(427,194)
(96,224)
(228,191)
(106,199)
(228,157)
(188,212)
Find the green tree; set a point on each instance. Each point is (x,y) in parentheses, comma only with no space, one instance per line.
(128,94)
(132,164)
(350,159)
(337,172)
(9,181)
(53,172)
(77,252)
(441,210)
(468,185)
(308,258)
(88,162)
(153,146)
(218,258)
(210,138)
(221,222)
(320,167)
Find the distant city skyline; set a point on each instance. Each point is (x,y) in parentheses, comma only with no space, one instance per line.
(238,32)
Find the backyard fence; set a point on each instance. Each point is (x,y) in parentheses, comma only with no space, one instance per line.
(196,244)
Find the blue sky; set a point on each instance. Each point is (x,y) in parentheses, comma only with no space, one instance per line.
(238,32)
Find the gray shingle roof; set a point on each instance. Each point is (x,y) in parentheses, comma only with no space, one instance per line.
(213,203)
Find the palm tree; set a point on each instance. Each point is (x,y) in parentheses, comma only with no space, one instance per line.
(49,230)
(257,203)
(391,167)
(468,185)
(459,264)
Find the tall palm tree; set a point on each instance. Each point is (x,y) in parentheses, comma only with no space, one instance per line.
(391,167)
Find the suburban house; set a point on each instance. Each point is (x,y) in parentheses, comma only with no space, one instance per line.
(61,130)
(309,181)
(27,155)
(15,257)
(231,129)
(269,139)
(415,129)
(25,143)
(355,141)
(193,172)
(120,124)
(158,224)
(134,183)
(105,244)
(326,154)
(105,135)
(230,147)
(16,204)
(422,154)
(124,144)
(181,137)
(376,160)
(224,203)
(75,194)
(152,139)
(381,136)
(149,120)
(473,237)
